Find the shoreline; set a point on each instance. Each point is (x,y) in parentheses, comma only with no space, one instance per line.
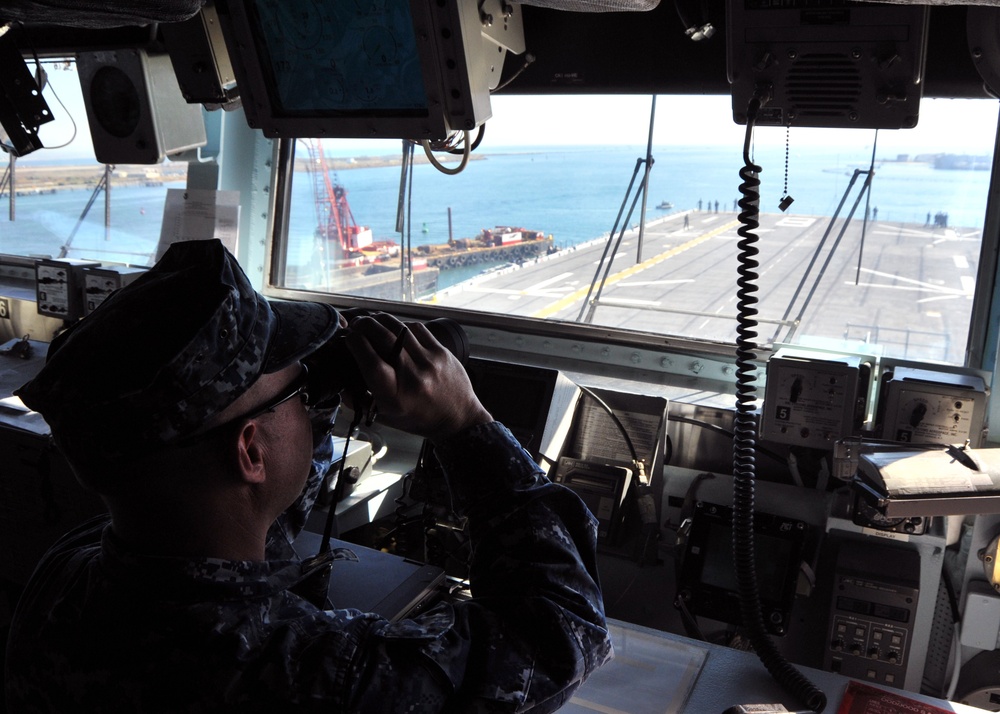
(37,179)
(33,178)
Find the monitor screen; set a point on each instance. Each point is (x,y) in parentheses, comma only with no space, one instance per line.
(379,69)
(331,56)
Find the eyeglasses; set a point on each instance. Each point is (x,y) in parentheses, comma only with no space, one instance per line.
(296,388)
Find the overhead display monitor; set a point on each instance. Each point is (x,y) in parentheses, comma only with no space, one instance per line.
(413,69)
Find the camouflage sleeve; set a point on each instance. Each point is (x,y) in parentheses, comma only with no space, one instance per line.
(535,628)
(289,524)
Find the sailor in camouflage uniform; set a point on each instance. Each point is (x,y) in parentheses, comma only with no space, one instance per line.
(177,400)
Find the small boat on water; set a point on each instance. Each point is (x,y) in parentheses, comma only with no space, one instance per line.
(665,205)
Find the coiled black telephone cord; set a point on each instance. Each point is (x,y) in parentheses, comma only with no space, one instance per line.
(744,444)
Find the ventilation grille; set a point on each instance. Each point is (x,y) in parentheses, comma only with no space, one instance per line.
(823,85)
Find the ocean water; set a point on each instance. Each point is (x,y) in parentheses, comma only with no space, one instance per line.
(46,225)
(573,193)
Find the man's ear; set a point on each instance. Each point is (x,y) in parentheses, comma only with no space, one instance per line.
(250,454)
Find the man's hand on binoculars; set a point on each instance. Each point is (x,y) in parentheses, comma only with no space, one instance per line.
(417,385)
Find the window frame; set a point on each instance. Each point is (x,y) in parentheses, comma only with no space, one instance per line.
(653,359)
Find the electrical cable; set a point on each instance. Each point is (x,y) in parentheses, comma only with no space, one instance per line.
(744,444)
(40,81)
(441,167)
(683,529)
(72,137)
(331,515)
(315,586)
(475,144)
(440,515)
(722,430)
(528,59)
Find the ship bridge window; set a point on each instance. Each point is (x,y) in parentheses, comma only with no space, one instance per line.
(880,246)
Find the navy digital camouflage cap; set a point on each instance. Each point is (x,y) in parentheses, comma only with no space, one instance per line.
(168,351)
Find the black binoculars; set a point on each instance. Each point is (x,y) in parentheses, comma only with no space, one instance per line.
(332,368)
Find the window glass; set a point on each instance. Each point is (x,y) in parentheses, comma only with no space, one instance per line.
(521,230)
(64,204)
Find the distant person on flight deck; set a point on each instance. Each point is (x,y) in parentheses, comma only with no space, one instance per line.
(187,401)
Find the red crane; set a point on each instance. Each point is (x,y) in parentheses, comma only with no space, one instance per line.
(335,222)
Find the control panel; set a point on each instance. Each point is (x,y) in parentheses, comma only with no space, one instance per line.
(100,282)
(59,287)
(812,400)
(872,612)
(929,407)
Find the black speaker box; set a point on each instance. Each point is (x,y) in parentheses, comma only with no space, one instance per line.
(135,109)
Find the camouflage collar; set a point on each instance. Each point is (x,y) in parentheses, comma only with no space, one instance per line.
(207,579)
